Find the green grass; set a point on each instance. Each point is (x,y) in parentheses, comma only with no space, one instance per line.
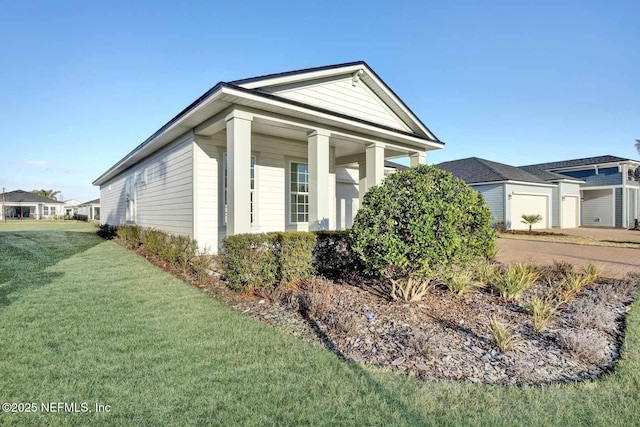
(83,320)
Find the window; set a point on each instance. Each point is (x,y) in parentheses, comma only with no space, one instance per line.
(253,188)
(53,210)
(45,210)
(299,197)
(130,191)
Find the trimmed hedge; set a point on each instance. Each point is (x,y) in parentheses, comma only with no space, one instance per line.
(267,259)
(333,255)
(250,260)
(295,256)
(130,235)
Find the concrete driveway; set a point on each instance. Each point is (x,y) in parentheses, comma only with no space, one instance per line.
(617,262)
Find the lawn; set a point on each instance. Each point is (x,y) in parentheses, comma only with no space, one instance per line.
(84,320)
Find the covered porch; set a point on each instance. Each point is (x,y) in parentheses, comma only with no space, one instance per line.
(276,163)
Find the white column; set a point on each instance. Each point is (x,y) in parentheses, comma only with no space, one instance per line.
(362,178)
(625,198)
(238,172)
(319,180)
(419,158)
(375,164)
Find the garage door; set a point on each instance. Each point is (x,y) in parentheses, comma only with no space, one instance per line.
(529,204)
(570,211)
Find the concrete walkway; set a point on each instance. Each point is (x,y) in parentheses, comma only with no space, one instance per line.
(617,262)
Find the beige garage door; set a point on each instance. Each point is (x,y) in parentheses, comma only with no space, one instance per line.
(570,211)
(529,204)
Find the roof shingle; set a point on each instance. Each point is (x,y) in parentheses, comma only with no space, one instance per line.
(579,162)
(474,170)
(21,196)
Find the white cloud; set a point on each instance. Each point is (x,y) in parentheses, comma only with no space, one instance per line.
(38,163)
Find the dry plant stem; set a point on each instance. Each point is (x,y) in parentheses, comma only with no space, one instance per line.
(412,290)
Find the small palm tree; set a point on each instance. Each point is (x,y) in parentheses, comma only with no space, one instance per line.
(531,219)
(47,193)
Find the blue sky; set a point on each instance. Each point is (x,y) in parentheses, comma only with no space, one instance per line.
(82,83)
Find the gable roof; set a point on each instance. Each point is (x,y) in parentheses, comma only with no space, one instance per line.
(474,170)
(255,92)
(91,202)
(21,196)
(269,84)
(588,161)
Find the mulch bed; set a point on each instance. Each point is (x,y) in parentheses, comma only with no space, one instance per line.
(444,337)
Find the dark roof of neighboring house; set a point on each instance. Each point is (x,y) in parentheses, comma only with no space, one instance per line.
(20,196)
(547,175)
(474,170)
(589,161)
(91,202)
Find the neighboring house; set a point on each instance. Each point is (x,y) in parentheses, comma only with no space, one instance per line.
(71,207)
(289,151)
(512,192)
(91,209)
(21,204)
(610,192)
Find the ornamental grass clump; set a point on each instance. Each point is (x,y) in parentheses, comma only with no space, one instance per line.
(503,335)
(460,282)
(516,279)
(571,285)
(543,311)
(417,221)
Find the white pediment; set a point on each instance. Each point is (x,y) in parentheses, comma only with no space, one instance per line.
(344,96)
(353,90)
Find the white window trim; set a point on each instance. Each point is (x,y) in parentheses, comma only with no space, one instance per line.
(131,199)
(289,193)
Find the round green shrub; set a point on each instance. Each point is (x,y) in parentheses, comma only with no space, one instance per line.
(421,219)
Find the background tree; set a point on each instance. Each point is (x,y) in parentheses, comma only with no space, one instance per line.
(531,219)
(47,193)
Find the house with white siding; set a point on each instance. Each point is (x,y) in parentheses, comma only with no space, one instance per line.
(610,191)
(288,151)
(20,204)
(91,209)
(512,192)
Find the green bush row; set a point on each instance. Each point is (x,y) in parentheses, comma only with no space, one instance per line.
(268,259)
(179,251)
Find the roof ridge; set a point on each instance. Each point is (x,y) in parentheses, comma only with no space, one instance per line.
(299,71)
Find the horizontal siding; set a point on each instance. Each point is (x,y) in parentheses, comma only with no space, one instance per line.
(165,201)
(494,195)
(347,175)
(113,203)
(556,201)
(618,207)
(605,176)
(342,97)
(631,203)
(597,208)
